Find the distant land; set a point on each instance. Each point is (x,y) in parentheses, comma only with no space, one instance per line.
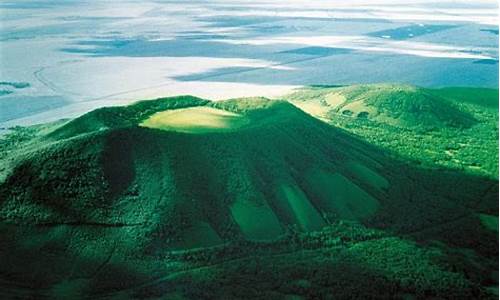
(91,54)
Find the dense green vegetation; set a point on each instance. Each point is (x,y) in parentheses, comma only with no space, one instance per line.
(256,200)
(452,127)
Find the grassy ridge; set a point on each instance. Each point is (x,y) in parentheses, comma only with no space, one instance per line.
(396,105)
(452,127)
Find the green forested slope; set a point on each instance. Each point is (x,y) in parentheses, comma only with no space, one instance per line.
(258,200)
(455,128)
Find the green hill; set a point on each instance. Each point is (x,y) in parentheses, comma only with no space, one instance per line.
(216,165)
(244,198)
(397,105)
(454,128)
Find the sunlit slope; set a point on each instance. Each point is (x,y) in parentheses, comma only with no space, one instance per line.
(133,200)
(189,166)
(399,105)
(454,127)
(211,168)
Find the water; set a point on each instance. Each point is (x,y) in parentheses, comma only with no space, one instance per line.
(80,55)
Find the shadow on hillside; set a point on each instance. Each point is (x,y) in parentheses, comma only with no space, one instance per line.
(422,205)
(44,264)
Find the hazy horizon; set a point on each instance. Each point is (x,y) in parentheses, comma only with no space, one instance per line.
(80,55)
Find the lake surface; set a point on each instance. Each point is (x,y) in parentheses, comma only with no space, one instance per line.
(59,59)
